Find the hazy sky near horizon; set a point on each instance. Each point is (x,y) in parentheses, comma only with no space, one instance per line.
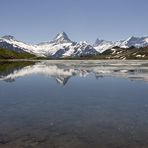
(34,21)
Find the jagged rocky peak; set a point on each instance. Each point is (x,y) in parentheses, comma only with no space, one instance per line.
(61,38)
(135,41)
(9,37)
(98,42)
(132,38)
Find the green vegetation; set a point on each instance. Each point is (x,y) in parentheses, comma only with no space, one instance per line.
(9,54)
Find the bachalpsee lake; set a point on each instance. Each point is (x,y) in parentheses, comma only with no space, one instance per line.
(74,104)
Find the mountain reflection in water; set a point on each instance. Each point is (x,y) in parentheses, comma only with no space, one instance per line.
(99,106)
(62,71)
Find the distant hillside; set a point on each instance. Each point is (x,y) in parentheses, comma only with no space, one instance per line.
(9,54)
(126,53)
(131,53)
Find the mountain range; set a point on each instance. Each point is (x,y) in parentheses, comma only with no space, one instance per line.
(61,46)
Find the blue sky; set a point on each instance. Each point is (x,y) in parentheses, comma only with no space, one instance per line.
(40,20)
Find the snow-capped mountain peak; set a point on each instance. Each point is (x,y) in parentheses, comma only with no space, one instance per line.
(102,45)
(61,35)
(61,38)
(84,42)
(132,39)
(9,37)
(135,41)
(97,42)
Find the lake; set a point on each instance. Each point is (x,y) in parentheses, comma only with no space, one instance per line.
(74,104)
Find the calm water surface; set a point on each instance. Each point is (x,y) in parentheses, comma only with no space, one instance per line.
(74,104)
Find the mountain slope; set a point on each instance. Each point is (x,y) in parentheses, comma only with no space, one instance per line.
(131,53)
(60,46)
(10,54)
(127,53)
(134,41)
